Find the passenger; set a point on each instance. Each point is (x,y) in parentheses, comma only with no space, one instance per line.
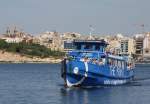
(82,59)
(90,60)
(86,59)
(103,60)
(110,62)
(129,66)
(94,61)
(100,62)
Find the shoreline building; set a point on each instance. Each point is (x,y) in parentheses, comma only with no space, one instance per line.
(15,35)
(127,46)
(146,46)
(114,43)
(139,46)
(51,40)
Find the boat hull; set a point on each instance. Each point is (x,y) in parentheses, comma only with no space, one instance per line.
(77,80)
(79,73)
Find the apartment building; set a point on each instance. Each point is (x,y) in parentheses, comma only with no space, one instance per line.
(127,46)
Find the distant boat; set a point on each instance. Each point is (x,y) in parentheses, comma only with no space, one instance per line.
(90,65)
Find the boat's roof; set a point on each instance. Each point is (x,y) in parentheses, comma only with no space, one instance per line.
(85,51)
(93,54)
(90,42)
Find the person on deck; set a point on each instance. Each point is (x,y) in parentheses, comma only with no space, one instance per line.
(100,62)
(86,59)
(94,61)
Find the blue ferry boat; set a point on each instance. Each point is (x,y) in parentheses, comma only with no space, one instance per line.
(90,65)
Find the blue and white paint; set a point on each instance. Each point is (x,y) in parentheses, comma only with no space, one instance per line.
(92,68)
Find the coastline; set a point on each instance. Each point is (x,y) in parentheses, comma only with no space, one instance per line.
(8,57)
(20,62)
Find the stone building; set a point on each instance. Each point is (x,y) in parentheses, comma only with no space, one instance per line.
(139,46)
(146,45)
(51,40)
(127,46)
(15,35)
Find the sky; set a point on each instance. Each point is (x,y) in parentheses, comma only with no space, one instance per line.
(105,16)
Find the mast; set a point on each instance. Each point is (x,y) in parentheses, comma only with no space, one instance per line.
(91,30)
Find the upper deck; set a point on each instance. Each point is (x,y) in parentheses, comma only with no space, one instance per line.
(90,45)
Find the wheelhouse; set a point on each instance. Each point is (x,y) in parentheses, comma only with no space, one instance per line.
(90,45)
(88,48)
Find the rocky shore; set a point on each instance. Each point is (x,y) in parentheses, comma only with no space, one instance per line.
(7,57)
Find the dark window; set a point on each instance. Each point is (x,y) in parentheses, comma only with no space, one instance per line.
(88,47)
(78,47)
(68,45)
(97,47)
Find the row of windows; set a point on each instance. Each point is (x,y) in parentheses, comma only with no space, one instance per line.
(90,47)
(68,46)
(117,63)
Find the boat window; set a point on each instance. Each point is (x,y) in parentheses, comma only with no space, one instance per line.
(101,49)
(119,64)
(110,61)
(113,62)
(103,56)
(116,63)
(88,47)
(122,64)
(97,47)
(78,47)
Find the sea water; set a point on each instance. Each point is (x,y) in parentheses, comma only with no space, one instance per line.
(42,84)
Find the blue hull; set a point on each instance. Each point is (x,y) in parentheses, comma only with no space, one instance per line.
(87,74)
(74,80)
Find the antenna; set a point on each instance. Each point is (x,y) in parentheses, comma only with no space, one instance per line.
(91,30)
